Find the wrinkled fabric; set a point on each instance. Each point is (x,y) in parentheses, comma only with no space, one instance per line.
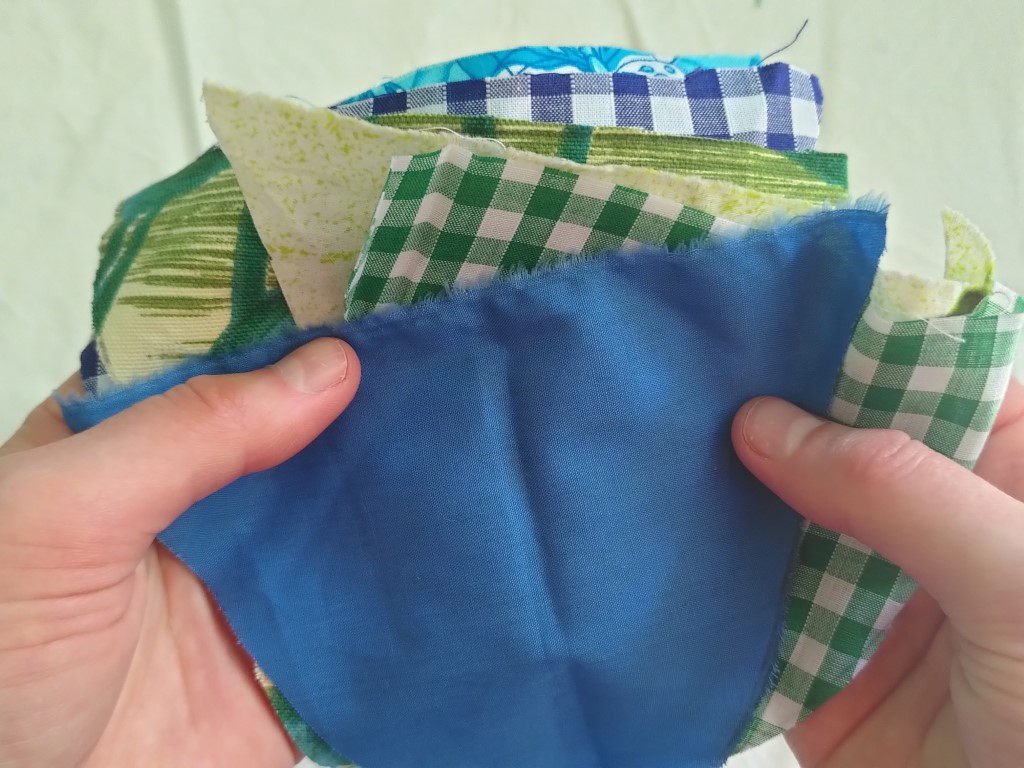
(484,560)
(774,105)
(533,60)
(811,176)
(450,219)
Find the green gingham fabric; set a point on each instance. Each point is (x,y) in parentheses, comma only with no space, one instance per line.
(941,381)
(452,218)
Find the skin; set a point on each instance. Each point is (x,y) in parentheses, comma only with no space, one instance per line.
(113,654)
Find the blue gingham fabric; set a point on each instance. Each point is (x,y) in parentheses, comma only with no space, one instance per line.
(776,105)
(534,60)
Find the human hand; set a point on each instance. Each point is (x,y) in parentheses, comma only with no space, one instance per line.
(111,651)
(946,687)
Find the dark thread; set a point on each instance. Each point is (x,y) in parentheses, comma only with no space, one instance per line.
(791,43)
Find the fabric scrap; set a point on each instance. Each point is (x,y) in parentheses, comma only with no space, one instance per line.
(968,279)
(897,296)
(810,175)
(465,447)
(535,60)
(182,271)
(775,105)
(450,219)
(969,260)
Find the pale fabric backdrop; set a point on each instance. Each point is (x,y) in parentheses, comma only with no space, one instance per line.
(101,98)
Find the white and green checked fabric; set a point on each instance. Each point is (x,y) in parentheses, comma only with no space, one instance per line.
(453,218)
(939,380)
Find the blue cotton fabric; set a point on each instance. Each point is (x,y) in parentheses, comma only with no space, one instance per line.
(528,541)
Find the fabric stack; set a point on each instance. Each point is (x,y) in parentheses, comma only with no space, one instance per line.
(578,170)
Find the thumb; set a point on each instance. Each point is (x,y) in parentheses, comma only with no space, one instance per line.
(959,537)
(106,492)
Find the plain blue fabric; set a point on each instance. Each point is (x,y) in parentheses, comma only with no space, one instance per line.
(528,542)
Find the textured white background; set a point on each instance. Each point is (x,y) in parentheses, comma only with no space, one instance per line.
(100,98)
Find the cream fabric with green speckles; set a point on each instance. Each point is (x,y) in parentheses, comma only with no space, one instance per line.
(969,257)
(968,278)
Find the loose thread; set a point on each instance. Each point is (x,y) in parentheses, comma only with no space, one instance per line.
(791,43)
(445,129)
(937,329)
(302,101)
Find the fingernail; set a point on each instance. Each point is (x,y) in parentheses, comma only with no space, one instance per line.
(315,367)
(775,429)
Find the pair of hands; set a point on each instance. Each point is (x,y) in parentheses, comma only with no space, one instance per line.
(112,653)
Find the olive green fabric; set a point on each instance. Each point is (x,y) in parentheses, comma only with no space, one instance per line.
(813,176)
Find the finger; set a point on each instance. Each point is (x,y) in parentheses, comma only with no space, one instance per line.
(112,488)
(955,533)
(45,424)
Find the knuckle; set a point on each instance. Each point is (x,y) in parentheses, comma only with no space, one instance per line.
(206,404)
(38,420)
(39,413)
(8,486)
(884,456)
(20,482)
